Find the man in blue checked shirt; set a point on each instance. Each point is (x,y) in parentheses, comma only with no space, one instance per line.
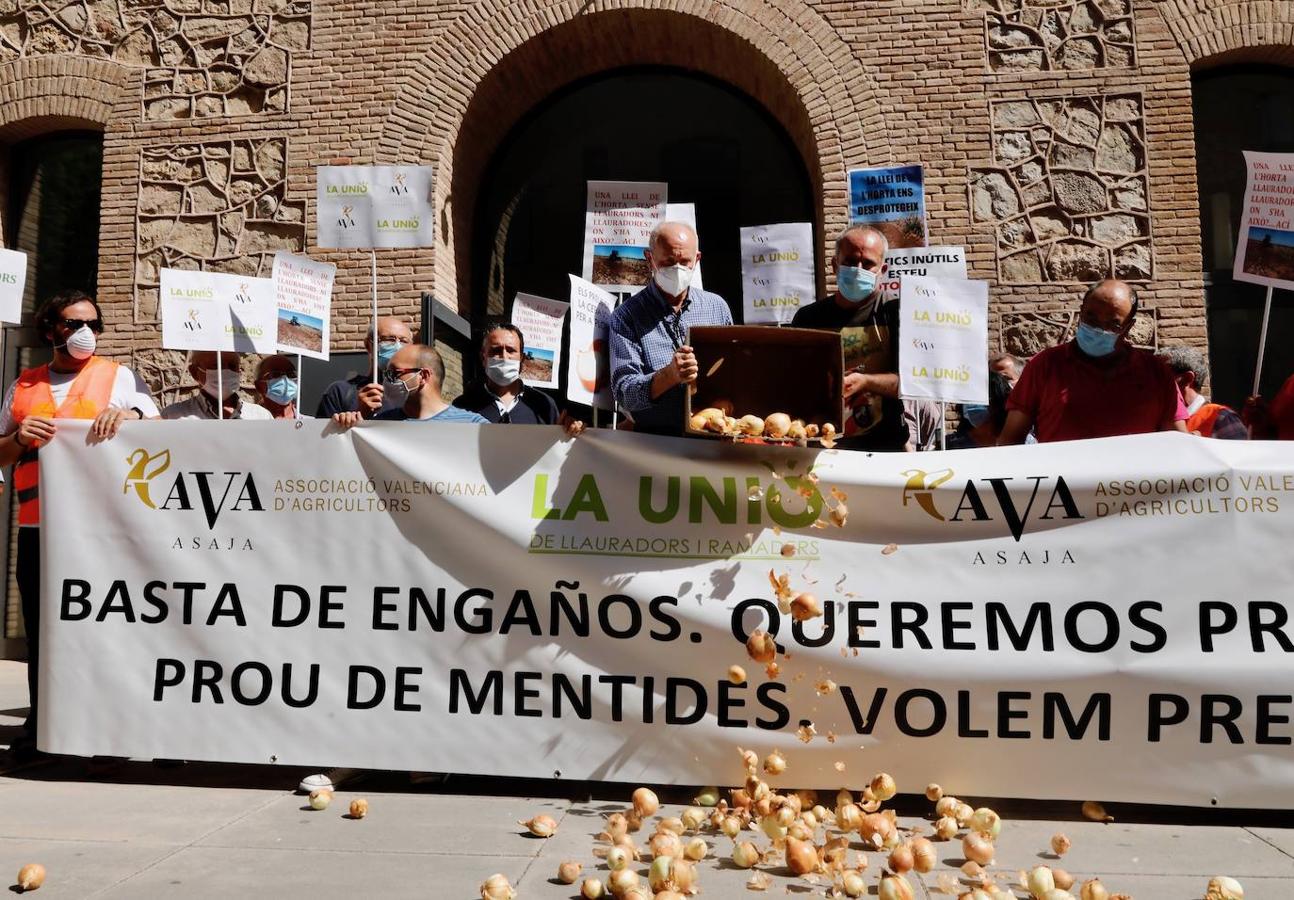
(651,363)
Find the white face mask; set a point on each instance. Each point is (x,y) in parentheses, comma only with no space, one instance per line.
(81,344)
(503,372)
(673,280)
(217,381)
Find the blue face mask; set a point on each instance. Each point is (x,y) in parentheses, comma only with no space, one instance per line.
(282,390)
(855,283)
(386,350)
(975,414)
(1096,342)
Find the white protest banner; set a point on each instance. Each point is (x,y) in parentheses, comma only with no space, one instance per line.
(374,206)
(303,300)
(934,262)
(554,606)
(618,220)
(686,213)
(540,321)
(891,199)
(777,276)
(943,339)
(1265,247)
(217,311)
(13,279)
(588,374)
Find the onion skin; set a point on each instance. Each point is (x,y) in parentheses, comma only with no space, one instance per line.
(801,856)
(645,802)
(977,848)
(31,877)
(568,872)
(358,808)
(761,647)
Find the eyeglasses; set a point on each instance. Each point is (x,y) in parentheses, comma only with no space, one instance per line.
(398,373)
(75,324)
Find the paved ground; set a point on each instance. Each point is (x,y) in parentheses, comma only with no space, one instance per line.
(137,831)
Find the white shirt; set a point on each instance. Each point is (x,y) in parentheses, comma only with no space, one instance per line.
(200,406)
(128,392)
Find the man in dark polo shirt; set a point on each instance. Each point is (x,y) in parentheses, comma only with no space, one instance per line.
(1097,385)
(501,396)
(869,334)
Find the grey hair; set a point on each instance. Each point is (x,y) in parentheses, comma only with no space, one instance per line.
(1182,359)
(1016,362)
(862,229)
(661,226)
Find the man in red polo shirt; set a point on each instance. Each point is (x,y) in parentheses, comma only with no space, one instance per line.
(1097,385)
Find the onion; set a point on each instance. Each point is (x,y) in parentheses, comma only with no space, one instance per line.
(633,821)
(358,808)
(878,830)
(745,855)
(809,819)
(693,818)
(617,859)
(645,802)
(985,821)
(672,823)
(775,763)
(31,876)
(730,826)
(617,825)
(947,806)
(800,831)
(839,515)
(901,859)
(895,887)
(883,787)
(696,849)
(1222,887)
(852,884)
(683,875)
(1039,881)
(801,856)
(1063,879)
(977,848)
(496,887)
(1092,889)
(622,882)
(1096,812)
(805,607)
(709,796)
(568,871)
(592,889)
(777,425)
(1060,844)
(665,843)
(541,826)
(752,425)
(320,798)
(849,817)
(669,895)
(761,647)
(964,813)
(934,792)
(924,857)
(946,828)
(749,759)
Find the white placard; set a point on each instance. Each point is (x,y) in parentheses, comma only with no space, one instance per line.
(540,321)
(928,262)
(686,213)
(777,273)
(375,206)
(618,221)
(217,311)
(588,373)
(303,301)
(526,607)
(13,279)
(943,339)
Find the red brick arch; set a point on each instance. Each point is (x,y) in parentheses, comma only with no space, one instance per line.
(1212,33)
(501,58)
(51,93)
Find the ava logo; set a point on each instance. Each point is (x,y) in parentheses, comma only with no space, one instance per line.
(347,220)
(192,323)
(216,492)
(243,295)
(399,186)
(978,496)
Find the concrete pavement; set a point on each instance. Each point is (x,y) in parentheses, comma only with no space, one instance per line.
(133,830)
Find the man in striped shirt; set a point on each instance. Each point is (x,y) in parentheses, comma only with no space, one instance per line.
(651,362)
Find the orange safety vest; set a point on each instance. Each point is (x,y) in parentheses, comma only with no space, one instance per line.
(90,394)
(1204,419)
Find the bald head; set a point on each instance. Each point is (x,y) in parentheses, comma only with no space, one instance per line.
(1110,305)
(390,328)
(420,357)
(861,245)
(673,244)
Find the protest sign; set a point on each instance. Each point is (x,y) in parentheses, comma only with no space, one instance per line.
(617,224)
(550,606)
(303,301)
(217,311)
(777,275)
(540,321)
(686,213)
(943,346)
(374,206)
(588,374)
(1265,248)
(934,262)
(13,279)
(891,199)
